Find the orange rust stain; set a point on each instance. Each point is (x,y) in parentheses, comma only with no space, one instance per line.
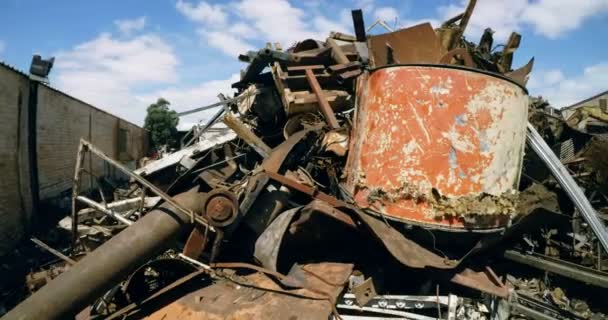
(416,126)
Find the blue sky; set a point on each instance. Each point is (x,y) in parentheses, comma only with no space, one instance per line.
(122,55)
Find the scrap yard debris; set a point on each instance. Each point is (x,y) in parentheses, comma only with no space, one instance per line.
(403,175)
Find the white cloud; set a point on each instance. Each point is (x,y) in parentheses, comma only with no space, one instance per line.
(275,20)
(387,14)
(554,17)
(562,91)
(230,44)
(550,18)
(203,12)
(127,27)
(105,71)
(252,23)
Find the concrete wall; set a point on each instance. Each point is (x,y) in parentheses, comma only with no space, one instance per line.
(39,163)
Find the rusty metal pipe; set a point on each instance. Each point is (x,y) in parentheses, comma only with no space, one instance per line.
(109,264)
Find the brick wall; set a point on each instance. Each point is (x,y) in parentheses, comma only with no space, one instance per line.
(61,121)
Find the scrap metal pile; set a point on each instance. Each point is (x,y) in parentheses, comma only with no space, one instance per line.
(379,176)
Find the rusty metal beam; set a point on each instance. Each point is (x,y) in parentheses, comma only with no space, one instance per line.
(246,134)
(336,52)
(292,184)
(561,267)
(324,106)
(109,264)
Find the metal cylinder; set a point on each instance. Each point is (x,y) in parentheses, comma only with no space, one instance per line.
(109,264)
(438,146)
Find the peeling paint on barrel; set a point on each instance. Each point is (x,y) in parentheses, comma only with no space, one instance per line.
(427,137)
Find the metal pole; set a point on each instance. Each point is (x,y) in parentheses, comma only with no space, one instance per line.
(565,180)
(105,210)
(221,103)
(109,264)
(53,251)
(75,190)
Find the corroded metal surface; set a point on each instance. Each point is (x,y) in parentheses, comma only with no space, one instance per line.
(227,300)
(438,146)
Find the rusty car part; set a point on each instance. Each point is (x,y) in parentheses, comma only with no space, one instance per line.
(221,207)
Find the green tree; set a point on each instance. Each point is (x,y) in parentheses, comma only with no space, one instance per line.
(162,122)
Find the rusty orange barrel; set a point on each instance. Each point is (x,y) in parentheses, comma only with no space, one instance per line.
(438,146)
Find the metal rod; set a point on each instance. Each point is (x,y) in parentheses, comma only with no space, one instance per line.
(221,103)
(194,262)
(219,162)
(564,178)
(206,126)
(103,209)
(145,182)
(53,251)
(75,191)
(563,268)
(324,106)
(209,123)
(246,134)
(116,204)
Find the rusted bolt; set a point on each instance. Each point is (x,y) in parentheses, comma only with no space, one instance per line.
(220,208)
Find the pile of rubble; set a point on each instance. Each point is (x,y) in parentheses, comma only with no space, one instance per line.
(361,177)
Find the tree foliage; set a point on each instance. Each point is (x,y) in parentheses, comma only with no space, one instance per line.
(162,122)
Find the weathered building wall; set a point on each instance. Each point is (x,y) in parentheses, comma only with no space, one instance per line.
(38,153)
(61,123)
(15,199)
(568,111)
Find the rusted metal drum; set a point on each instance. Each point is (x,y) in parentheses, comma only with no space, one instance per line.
(438,146)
